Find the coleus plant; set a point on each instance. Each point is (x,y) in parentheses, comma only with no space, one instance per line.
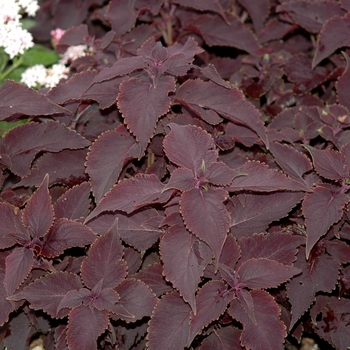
(171,194)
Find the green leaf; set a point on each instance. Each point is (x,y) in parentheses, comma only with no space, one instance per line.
(39,54)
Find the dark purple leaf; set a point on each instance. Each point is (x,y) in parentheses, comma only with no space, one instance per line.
(18,99)
(320,275)
(211,302)
(10,225)
(74,204)
(46,293)
(203,5)
(229,103)
(131,194)
(205,215)
(269,332)
(104,261)
(214,31)
(38,214)
(311,15)
(265,273)
(22,143)
(136,298)
(140,229)
(277,246)
(142,103)
(182,179)
(328,163)
(259,177)
(66,234)
(230,253)
(84,326)
(252,213)
(6,306)
(107,157)
(258,12)
(211,73)
(185,257)
(18,266)
(343,84)
(322,208)
(190,147)
(65,167)
(225,338)
(334,35)
(104,299)
(170,323)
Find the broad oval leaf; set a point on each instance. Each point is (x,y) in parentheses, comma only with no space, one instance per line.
(190,147)
(229,103)
(6,307)
(169,326)
(211,301)
(265,273)
(18,266)
(107,157)
(22,143)
(131,194)
(18,99)
(226,338)
(269,331)
(136,298)
(181,179)
(184,258)
(142,103)
(104,261)
(10,225)
(322,208)
(335,34)
(46,293)
(85,324)
(328,163)
(205,215)
(343,83)
(66,234)
(258,12)
(38,214)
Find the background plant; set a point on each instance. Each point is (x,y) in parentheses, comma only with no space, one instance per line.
(186,185)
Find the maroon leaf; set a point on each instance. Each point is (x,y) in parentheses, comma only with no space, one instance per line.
(6,306)
(65,167)
(104,261)
(66,234)
(211,73)
(190,147)
(343,84)
(252,213)
(230,253)
(104,299)
(84,326)
(277,246)
(142,103)
(18,99)
(74,204)
(182,179)
(140,229)
(226,338)
(121,67)
(311,16)
(46,293)
(334,34)
(258,12)
(22,143)
(136,298)
(214,31)
(269,332)
(229,103)
(10,225)
(265,273)
(203,5)
(107,157)
(122,16)
(259,177)
(206,216)
(328,163)
(18,266)
(322,208)
(38,215)
(131,194)
(170,323)
(211,302)
(184,258)
(320,275)
(293,162)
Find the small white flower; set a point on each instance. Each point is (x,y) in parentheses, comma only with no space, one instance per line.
(29,6)
(73,52)
(54,74)
(34,76)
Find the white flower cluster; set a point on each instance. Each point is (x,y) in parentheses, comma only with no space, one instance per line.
(13,37)
(38,75)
